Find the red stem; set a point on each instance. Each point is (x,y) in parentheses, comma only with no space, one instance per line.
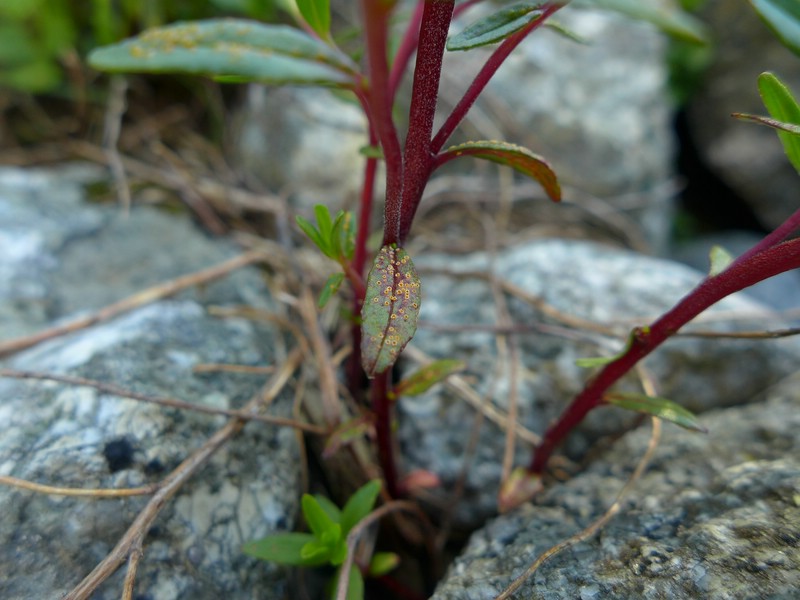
(418,158)
(406,49)
(382,409)
(484,76)
(376,29)
(739,275)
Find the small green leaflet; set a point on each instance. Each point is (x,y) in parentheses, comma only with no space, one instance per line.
(230,50)
(317,13)
(331,287)
(422,380)
(334,237)
(783,17)
(783,107)
(382,563)
(359,505)
(496,27)
(282,548)
(657,407)
(390,311)
(518,158)
(719,259)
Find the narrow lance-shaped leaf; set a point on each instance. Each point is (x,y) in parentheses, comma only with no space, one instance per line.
(422,380)
(359,505)
(317,13)
(783,107)
(496,27)
(783,17)
(231,50)
(282,548)
(331,287)
(390,311)
(518,158)
(657,407)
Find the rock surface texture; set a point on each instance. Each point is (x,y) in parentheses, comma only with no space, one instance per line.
(715,516)
(68,256)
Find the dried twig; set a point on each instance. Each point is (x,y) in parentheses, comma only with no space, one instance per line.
(114,390)
(152,294)
(64,491)
(460,386)
(173,482)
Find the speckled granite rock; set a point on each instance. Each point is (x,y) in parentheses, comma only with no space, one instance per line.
(716,516)
(82,257)
(585,280)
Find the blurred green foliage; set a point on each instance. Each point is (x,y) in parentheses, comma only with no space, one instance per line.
(38,37)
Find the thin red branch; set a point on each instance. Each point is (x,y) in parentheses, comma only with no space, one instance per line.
(418,158)
(379,101)
(738,276)
(484,76)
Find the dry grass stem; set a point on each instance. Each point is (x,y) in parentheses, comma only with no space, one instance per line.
(65,491)
(142,298)
(460,386)
(163,401)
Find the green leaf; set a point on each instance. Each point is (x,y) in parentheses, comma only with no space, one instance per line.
(331,287)
(423,379)
(317,13)
(496,27)
(359,505)
(783,17)
(600,361)
(313,234)
(371,151)
(324,221)
(343,236)
(329,507)
(518,158)
(390,311)
(383,563)
(317,518)
(719,259)
(282,548)
(783,107)
(656,406)
(316,552)
(230,50)
(664,15)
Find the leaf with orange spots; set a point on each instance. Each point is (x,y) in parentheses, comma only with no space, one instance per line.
(391,308)
(518,158)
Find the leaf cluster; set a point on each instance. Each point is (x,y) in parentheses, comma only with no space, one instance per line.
(326,543)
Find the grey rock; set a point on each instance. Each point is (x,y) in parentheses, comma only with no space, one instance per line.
(747,157)
(79,437)
(715,516)
(585,280)
(598,112)
(304,142)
